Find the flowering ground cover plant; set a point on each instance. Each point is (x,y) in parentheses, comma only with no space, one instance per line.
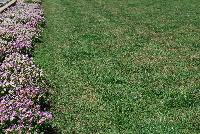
(21,81)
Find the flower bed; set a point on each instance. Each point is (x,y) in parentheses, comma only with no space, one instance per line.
(21,83)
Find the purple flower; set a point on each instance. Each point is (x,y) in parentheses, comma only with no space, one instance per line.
(20,79)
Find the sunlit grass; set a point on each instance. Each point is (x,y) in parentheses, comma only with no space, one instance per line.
(129,66)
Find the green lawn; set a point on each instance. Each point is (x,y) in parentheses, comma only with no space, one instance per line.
(123,66)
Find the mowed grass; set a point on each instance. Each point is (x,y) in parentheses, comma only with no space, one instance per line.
(123,66)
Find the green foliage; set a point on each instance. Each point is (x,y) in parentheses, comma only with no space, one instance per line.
(123,67)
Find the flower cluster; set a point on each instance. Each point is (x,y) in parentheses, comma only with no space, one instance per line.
(19,25)
(21,111)
(21,82)
(18,70)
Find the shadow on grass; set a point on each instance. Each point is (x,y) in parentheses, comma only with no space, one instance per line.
(49,129)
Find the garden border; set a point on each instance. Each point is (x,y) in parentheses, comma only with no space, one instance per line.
(7,5)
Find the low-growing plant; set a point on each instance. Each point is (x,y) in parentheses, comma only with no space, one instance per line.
(21,112)
(23,89)
(18,70)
